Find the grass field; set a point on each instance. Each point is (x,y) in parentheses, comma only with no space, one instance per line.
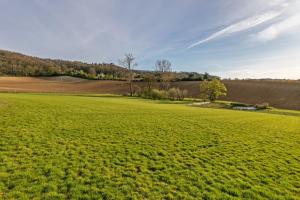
(109,147)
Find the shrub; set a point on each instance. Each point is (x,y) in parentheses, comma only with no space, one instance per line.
(176,94)
(182,94)
(172,94)
(262,106)
(158,94)
(145,93)
(136,90)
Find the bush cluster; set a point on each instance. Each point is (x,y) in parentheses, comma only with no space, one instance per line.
(156,94)
(176,94)
(262,106)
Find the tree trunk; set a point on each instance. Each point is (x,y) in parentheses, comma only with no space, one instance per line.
(130,85)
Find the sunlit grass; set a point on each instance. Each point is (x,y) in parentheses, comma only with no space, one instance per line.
(93,147)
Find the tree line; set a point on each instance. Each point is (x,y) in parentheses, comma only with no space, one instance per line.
(211,88)
(16,64)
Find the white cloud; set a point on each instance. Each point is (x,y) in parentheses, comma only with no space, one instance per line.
(270,67)
(282,3)
(276,30)
(241,26)
(253,71)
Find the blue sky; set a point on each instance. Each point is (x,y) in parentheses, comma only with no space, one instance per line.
(229,38)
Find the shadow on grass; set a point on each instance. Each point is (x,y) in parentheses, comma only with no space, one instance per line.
(226,105)
(281,112)
(171,102)
(99,95)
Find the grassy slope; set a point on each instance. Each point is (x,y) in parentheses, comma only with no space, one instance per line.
(91,147)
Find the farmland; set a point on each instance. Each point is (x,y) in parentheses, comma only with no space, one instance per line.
(62,84)
(280,94)
(111,147)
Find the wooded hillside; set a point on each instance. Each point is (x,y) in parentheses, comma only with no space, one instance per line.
(16,64)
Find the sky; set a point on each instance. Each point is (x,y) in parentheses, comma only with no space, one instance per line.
(228,38)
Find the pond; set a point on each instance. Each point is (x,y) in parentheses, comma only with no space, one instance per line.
(244,108)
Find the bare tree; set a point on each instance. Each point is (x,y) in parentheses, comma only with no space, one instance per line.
(150,79)
(163,67)
(129,64)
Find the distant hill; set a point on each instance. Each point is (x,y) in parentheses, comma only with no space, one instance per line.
(17,64)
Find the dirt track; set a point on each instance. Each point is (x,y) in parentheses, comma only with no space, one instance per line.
(280,94)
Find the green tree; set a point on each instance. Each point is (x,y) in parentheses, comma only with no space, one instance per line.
(212,90)
(206,76)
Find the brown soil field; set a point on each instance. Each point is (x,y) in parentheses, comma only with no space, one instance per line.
(62,84)
(280,94)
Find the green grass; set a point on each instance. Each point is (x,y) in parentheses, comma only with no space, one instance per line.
(106,147)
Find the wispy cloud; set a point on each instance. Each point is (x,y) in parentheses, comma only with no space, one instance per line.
(259,70)
(240,26)
(290,22)
(102,31)
(278,29)
(276,65)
